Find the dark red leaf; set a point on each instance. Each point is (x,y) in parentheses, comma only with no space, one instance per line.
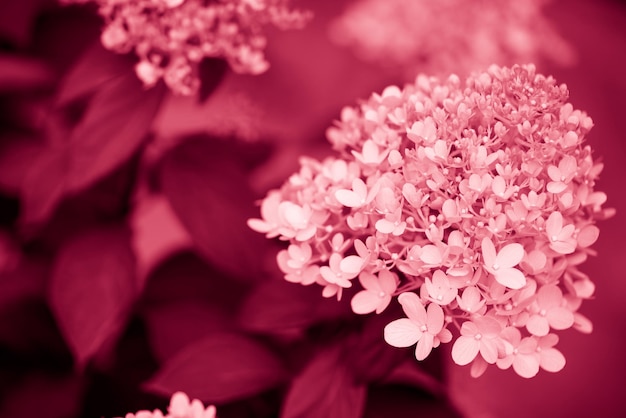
(92,288)
(208,189)
(39,395)
(17,73)
(16,20)
(325,388)
(95,67)
(275,306)
(211,72)
(220,368)
(17,157)
(405,401)
(115,124)
(373,359)
(44,185)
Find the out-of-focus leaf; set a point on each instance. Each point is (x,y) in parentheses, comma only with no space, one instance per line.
(211,72)
(44,185)
(185,300)
(405,401)
(42,395)
(207,188)
(17,157)
(157,231)
(174,326)
(373,359)
(115,124)
(278,305)
(220,368)
(17,73)
(26,280)
(92,70)
(325,388)
(92,289)
(16,19)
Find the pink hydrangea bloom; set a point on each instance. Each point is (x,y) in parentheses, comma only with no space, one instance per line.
(180,407)
(440,36)
(171,37)
(443,192)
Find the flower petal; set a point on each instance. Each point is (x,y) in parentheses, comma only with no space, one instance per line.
(526,365)
(511,278)
(424,346)
(365,302)
(510,255)
(413,307)
(465,350)
(435,318)
(402,333)
(551,360)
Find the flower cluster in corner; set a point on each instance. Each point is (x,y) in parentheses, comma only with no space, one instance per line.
(475,34)
(171,37)
(180,407)
(473,203)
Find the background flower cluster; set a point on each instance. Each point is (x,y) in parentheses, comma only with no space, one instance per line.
(128,273)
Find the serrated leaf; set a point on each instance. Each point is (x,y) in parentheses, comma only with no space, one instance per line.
(325,388)
(220,368)
(92,289)
(208,189)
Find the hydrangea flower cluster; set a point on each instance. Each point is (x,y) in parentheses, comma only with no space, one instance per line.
(440,36)
(171,37)
(180,407)
(473,203)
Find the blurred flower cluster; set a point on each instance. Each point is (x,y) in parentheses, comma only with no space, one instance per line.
(476,34)
(171,37)
(478,196)
(180,407)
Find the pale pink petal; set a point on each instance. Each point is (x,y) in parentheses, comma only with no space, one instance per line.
(510,255)
(179,404)
(465,350)
(549,296)
(526,365)
(384,226)
(435,315)
(388,281)
(365,302)
(349,198)
(563,247)
(556,187)
(489,252)
(551,360)
(431,255)
(479,366)
(560,318)
(588,235)
(413,307)
(444,336)
(369,281)
(424,346)
(469,329)
(538,325)
(554,224)
(489,350)
(351,265)
(402,333)
(511,278)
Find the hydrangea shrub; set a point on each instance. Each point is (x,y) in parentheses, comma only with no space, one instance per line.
(171,37)
(473,204)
